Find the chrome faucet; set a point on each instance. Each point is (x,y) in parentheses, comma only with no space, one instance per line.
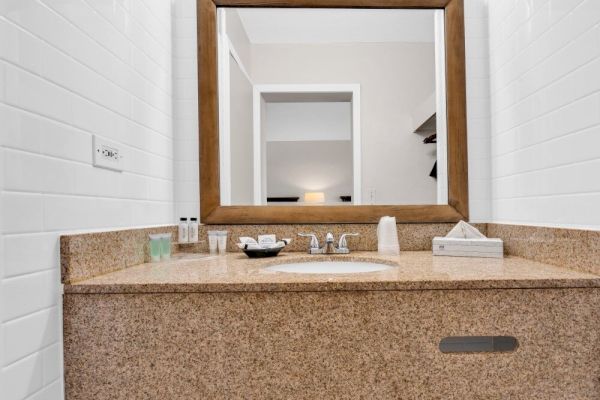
(329,247)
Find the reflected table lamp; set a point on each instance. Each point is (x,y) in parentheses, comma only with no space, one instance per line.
(314,197)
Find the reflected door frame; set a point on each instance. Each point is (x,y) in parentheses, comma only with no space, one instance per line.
(259,167)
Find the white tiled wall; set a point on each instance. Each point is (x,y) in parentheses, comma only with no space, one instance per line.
(185,111)
(70,69)
(186,117)
(545,108)
(478,108)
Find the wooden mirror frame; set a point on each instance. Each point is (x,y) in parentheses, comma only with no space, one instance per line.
(211,210)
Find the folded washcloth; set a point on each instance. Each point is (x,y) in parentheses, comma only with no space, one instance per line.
(256,246)
(248,240)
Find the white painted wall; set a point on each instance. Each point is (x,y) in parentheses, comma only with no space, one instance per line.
(392,77)
(185,109)
(545,107)
(70,69)
(309,149)
(335,25)
(308,121)
(237,36)
(294,168)
(478,108)
(241,136)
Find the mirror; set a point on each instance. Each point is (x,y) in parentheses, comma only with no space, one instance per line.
(332,106)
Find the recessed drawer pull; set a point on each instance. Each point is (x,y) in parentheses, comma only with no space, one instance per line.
(478,344)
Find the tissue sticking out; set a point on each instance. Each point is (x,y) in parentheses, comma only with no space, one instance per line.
(464,240)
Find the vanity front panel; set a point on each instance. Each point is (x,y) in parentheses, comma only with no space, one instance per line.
(332,345)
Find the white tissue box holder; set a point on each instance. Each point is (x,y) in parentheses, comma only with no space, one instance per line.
(457,247)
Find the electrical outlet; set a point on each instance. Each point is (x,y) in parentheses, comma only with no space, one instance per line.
(372,193)
(107,154)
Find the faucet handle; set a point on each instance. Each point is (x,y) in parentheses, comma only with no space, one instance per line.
(329,237)
(343,244)
(314,242)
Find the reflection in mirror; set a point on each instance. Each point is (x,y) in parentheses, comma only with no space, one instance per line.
(332,107)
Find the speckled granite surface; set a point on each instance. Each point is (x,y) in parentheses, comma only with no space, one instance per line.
(86,255)
(89,254)
(411,271)
(573,248)
(412,237)
(331,345)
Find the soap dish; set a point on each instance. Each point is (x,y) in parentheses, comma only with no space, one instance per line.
(253,249)
(261,253)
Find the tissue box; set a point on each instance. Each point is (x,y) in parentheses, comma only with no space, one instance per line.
(492,248)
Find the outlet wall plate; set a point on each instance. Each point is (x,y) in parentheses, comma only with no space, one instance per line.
(107,154)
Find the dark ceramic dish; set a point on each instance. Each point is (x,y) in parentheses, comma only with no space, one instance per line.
(261,253)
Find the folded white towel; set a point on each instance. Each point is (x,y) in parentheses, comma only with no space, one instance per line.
(256,246)
(248,243)
(248,240)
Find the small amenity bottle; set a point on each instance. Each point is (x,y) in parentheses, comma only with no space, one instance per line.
(193,230)
(165,246)
(183,231)
(155,247)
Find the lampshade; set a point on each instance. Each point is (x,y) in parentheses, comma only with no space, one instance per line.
(314,197)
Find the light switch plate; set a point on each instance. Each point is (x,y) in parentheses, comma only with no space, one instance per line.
(107,154)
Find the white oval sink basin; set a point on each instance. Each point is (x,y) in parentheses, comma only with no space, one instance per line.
(329,267)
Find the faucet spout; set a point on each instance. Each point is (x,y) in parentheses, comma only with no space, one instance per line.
(329,245)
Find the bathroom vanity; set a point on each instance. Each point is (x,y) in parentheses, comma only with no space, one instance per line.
(423,327)
(228,327)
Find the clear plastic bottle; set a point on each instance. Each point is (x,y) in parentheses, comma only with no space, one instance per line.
(193,230)
(165,246)
(183,236)
(155,247)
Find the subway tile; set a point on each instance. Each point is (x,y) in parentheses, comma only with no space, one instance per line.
(75,69)
(30,92)
(563,180)
(30,293)
(90,23)
(152,213)
(159,29)
(22,378)
(20,130)
(70,213)
(52,363)
(27,253)
(34,173)
(576,147)
(25,336)
(53,391)
(19,47)
(21,212)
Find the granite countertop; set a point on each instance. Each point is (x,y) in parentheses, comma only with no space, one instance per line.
(418,270)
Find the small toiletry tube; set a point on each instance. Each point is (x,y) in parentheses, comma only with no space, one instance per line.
(222,241)
(155,247)
(193,230)
(212,241)
(183,233)
(165,246)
